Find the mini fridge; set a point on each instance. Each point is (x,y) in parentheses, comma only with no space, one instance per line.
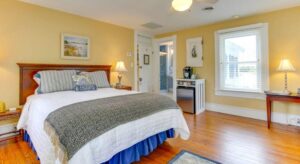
(186,99)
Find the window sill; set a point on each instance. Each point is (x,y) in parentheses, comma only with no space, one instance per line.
(240,94)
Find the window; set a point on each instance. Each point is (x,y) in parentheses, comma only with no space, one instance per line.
(242,61)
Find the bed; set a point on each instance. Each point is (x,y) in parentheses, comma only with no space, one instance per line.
(123,144)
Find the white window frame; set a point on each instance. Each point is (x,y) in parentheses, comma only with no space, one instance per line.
(264,60)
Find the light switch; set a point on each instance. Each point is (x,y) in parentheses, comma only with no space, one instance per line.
(129,53)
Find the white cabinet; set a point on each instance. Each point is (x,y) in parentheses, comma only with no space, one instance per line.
(191,95)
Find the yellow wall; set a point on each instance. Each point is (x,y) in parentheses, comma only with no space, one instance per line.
(32,34)
(284,41)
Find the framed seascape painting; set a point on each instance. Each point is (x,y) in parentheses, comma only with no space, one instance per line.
(75,47)
(194,52)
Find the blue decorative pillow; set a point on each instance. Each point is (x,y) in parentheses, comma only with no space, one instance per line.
(83,83)
(88,87)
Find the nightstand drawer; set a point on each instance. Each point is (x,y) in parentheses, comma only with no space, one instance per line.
(8,125)
(8,130)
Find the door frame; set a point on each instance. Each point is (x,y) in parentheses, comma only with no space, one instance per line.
(135,62)
(156,66)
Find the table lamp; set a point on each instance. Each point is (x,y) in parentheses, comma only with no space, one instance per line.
(285,66)
(120,67)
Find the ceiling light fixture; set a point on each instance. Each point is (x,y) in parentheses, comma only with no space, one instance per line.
(182,5)
(236,17)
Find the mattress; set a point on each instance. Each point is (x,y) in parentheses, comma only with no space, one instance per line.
(102,148)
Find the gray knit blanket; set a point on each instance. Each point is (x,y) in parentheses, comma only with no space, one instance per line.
(72,126)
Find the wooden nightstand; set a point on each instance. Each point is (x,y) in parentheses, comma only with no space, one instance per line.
(8,121)
(124,87)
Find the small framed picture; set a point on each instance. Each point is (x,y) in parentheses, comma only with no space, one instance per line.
(75,47)
(146,59)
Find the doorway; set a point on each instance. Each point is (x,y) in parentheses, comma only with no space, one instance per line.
(166,53)
(165,66)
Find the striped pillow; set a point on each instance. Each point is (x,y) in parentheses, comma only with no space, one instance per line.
(99,78)
(53,81)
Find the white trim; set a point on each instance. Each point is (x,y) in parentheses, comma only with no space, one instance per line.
(156,44)
(242,28)
(264,59)
(260,114)
(252,95)
(136,34)
(135,61)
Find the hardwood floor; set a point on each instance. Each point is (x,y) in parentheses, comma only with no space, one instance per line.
(224,138)
(234,140)
(17,152)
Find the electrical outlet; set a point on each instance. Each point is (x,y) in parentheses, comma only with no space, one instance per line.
(294,121)
(298,121)
(129,53)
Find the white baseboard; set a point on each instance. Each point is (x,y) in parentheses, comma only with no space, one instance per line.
(260,114)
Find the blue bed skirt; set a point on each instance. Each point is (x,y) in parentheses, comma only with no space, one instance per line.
(133,153)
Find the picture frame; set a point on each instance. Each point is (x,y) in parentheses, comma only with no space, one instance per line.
(194,52)
(146,59)
(75,47)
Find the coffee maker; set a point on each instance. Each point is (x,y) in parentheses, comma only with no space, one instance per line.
(187,72)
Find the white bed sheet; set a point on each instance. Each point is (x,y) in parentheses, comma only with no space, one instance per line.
(105,146)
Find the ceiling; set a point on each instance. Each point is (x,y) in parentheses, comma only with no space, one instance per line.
(134,13)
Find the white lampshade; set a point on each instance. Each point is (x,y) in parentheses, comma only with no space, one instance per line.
(120,67)
(182,5)
(285,66)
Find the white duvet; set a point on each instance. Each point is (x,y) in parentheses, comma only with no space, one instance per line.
(105,146)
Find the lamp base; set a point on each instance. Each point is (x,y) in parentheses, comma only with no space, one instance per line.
(286,92)
(119,84)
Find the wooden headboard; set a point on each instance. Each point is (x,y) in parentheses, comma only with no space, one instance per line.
(28,85)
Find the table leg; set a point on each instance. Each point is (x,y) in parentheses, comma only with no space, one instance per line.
(269,110)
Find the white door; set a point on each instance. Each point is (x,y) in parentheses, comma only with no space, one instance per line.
(145,68)
(144,63)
